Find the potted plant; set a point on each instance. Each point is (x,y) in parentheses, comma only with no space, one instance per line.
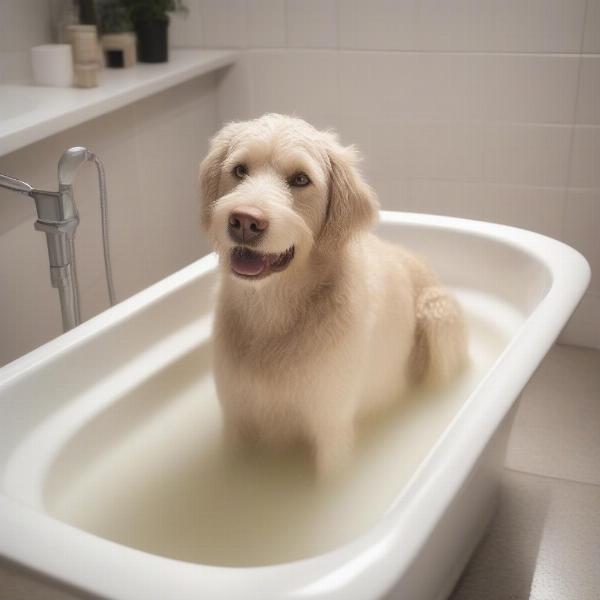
(151,23)
(118,40)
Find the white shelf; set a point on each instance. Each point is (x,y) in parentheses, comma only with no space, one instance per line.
(30,113)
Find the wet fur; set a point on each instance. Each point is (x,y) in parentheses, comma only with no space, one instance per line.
(303,354)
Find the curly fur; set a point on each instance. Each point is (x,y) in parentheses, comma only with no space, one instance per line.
(302,354)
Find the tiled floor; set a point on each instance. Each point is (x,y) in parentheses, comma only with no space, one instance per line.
(544,542)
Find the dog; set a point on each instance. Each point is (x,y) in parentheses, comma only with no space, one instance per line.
(318,322)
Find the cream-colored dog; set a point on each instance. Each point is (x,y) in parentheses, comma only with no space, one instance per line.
(318,321)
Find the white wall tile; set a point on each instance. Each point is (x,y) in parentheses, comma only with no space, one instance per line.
(583,328)
(88,240)
(378,24)
(436,86)
(15,67)
(451,198)
(280,80)
(527,155)
(537,209)
(8,296)
(266,23)
(23,24)
(176,123)
(585,161)
(393,149)
(392,192)
(357,131)
(588,97)
(36,313)
(151,166)
(15,208)
(582,228)
(377,84)
(447,151)
(531,89)
(427,150)
(453,25)
(591,38)
(312,23)
(27,24)
(185,30)
(93,298)
(225,23)
(536,25)
(449,86)
(235,90)
(463,25)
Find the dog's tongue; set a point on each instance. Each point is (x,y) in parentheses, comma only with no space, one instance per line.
(247,262)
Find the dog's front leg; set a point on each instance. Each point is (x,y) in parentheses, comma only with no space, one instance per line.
(333,449)
(331,435)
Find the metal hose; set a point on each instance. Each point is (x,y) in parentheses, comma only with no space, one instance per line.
(105,238)
(76,300)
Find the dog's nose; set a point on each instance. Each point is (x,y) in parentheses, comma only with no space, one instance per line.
(247,224)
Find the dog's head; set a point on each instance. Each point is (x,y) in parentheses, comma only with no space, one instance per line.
(275,188)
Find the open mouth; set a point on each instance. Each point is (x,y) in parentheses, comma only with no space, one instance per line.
(251,264)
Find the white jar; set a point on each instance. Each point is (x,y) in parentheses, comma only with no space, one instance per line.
(52,64)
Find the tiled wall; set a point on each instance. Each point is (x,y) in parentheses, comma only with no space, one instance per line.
(479,108)
(151,151)
(153,209)
(23,24)
(488,109)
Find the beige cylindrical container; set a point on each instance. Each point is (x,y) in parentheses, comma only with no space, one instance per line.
(84,39)
(86,76)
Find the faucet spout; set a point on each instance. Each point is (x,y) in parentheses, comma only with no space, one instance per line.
(58,218)
(69,162)
(16,185)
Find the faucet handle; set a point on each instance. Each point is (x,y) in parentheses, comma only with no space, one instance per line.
(15,185)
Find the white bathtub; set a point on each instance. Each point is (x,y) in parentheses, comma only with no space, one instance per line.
(113,481)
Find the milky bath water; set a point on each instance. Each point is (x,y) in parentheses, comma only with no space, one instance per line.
(164,483)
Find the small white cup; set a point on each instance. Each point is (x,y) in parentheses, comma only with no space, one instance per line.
(52,65)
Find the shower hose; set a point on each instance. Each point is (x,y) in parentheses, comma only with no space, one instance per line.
(105,239)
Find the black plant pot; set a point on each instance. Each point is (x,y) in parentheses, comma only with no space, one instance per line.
(152,41)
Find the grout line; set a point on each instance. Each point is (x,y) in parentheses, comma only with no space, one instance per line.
(246,25)
(338,29)
(285,24)
(201,12)
(573,127)
(553,477)
(346,50)
(137,127)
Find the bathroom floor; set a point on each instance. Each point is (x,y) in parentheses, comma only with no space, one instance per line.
(544,542)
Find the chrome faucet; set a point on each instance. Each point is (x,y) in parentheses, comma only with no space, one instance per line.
(58,218)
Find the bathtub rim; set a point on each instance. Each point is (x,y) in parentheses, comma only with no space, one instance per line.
(437,479)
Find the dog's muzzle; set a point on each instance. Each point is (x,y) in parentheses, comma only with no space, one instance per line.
(251,264)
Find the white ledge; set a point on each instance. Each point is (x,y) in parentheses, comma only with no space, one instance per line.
(30,113)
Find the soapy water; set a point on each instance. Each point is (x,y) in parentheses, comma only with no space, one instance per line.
(170,487)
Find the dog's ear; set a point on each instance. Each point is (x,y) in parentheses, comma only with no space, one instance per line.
(352,204)
(210,169)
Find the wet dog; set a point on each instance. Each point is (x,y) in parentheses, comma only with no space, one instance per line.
(318,321)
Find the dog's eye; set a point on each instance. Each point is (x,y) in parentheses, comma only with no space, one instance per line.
(240,171)
(299,180)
